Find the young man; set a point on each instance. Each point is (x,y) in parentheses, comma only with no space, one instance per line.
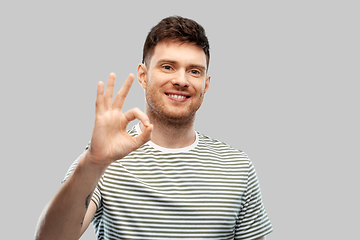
(162,179)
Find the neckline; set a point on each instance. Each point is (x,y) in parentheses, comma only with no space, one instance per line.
(169,150)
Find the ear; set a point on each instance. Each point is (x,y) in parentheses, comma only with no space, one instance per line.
(207,83)
(142,75)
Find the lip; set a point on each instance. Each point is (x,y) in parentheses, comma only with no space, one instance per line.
(168,94)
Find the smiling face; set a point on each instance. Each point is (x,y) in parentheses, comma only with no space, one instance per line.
(175,82)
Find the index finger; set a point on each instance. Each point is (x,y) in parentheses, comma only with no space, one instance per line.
(109,90)
(123,92)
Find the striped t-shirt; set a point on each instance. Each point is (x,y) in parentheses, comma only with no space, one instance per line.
(205,191)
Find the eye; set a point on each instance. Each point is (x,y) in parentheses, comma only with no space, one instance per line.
(195,72)
(167,67)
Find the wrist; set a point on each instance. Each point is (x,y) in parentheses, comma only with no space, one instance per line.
(96,168)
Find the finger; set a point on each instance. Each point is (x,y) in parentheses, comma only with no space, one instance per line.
(144,137)
(109,90)
(121,95)
(99,104)
(136,113)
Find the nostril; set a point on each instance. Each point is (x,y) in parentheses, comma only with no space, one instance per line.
(181,82)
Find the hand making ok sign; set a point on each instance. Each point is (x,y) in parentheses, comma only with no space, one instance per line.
(110,140)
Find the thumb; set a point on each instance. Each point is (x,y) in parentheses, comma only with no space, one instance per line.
(144,137)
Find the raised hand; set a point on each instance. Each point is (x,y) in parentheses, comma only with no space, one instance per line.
(110,140)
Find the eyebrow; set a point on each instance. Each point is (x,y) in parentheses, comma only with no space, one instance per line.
(162,61)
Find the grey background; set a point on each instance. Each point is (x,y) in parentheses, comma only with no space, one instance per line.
(284,89)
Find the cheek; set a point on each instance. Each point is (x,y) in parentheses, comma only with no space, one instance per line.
(158,79)
(200,89)
(153,95)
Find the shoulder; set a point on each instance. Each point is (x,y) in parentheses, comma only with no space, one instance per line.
(218,146)
(222,150)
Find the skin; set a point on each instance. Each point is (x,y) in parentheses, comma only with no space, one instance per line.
(69,213)
(174,69)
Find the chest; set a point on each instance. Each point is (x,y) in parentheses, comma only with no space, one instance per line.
(175,187)
(173,197)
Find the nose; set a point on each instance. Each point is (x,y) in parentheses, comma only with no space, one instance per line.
(180,80)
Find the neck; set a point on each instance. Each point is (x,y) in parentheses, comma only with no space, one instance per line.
(172,134)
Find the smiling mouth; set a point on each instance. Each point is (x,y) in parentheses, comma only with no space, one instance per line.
(176,96)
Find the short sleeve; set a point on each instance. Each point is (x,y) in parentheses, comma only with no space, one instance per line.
(72,168)
(96,198)
(253,221)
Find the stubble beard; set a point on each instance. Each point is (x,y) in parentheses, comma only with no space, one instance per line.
(158,114)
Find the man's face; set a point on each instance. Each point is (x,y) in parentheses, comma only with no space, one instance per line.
(175,81)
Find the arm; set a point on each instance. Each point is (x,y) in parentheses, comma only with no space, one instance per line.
(253,220)
(88,217)
(66,216)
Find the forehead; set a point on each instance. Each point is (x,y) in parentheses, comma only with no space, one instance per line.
(179,52)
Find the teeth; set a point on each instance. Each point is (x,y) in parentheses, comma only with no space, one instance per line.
(177,96)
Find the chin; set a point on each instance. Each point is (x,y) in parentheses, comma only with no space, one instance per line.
(180,118)
(175,119)
(171,115)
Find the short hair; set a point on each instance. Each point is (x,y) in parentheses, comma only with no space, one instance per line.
(176,29)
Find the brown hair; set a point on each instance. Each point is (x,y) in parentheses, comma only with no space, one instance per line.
(177,29)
